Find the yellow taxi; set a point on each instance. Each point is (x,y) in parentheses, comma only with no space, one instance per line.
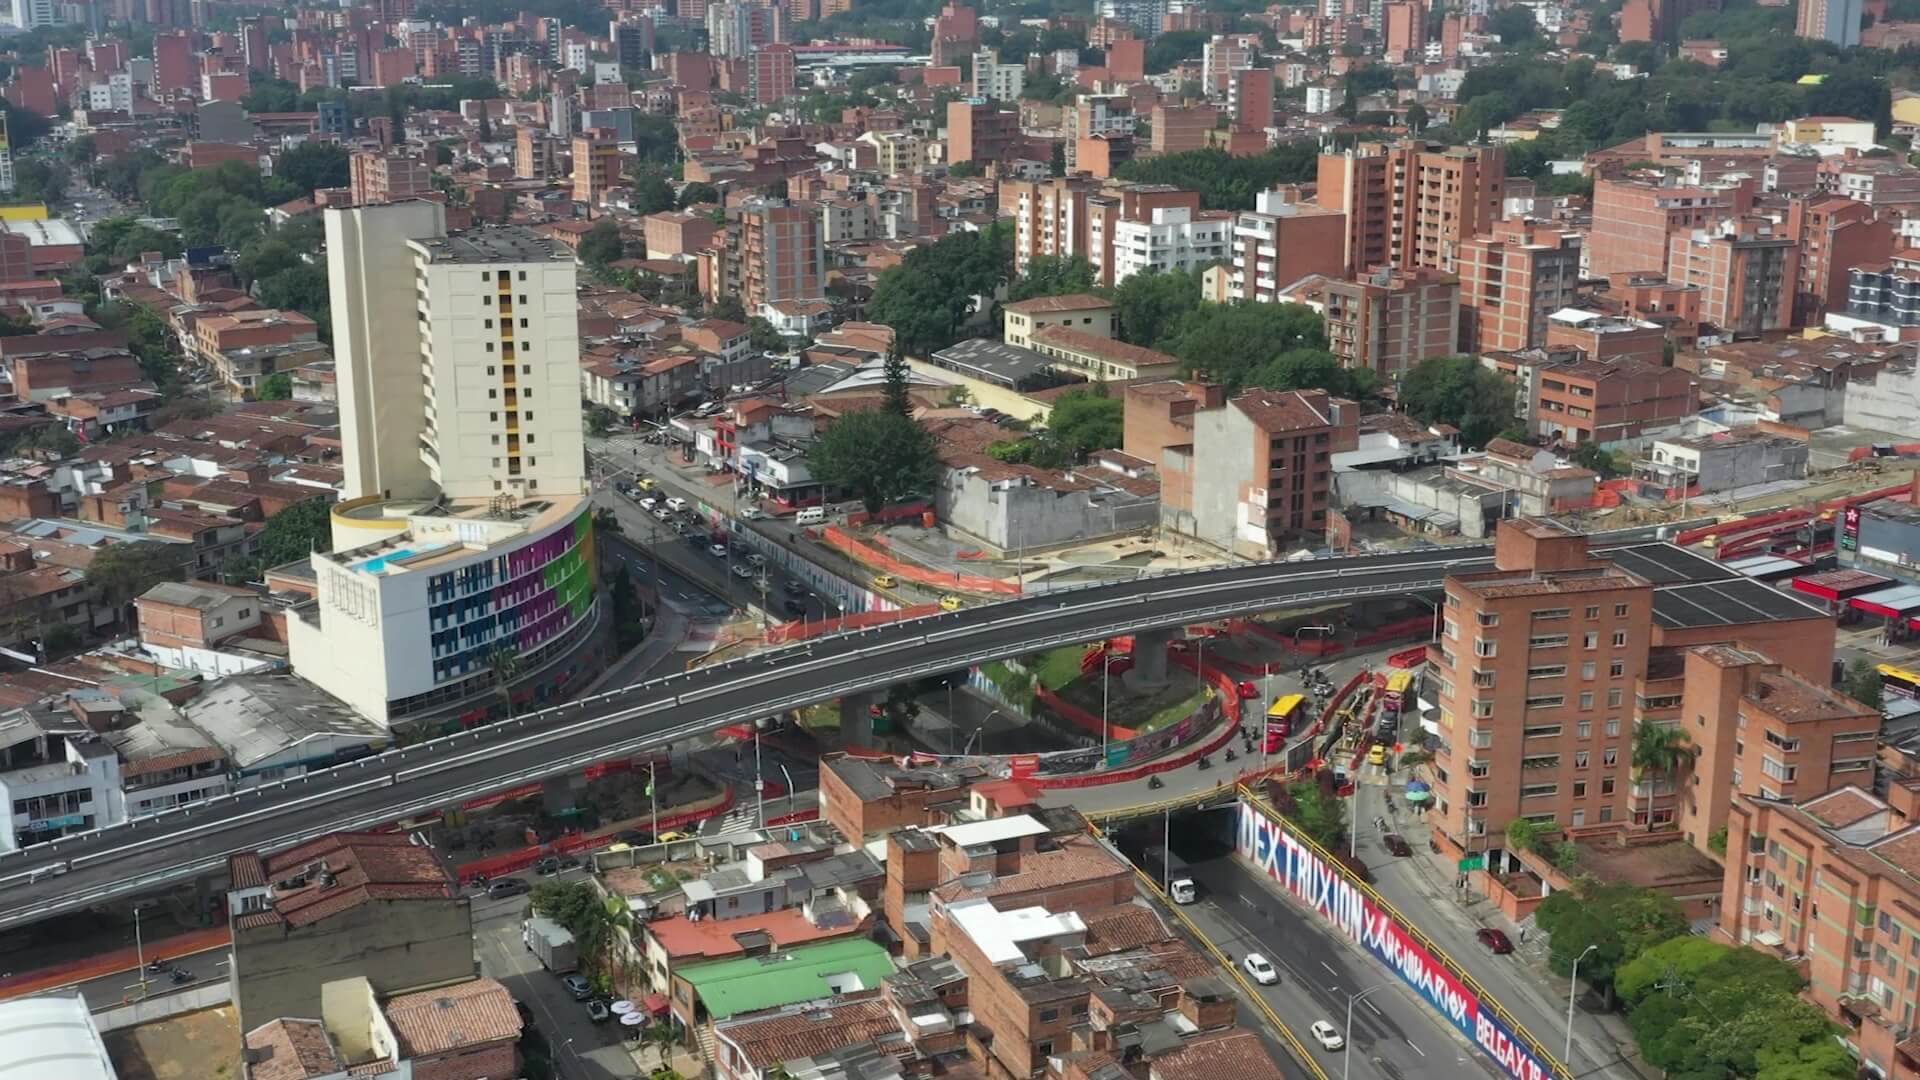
(884,581)
(645,483)
(1377,755)
(670,836)
(949,602)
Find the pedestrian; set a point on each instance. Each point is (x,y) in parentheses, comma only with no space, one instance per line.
(1523,935)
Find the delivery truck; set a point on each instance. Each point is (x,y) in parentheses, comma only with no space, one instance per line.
(550,941)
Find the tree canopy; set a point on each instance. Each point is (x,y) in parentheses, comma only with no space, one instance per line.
(1052,275)
(930,295)
(880,457)
(1150,304)
(1457,390)
(1226,182)
(1231,343)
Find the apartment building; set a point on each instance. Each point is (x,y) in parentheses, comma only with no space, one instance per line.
(1833,881)
(1584,401)
(981,131)
(1275,244)
(1096,116)
(1082,312)
(1633,221)
(770,74)
(1546,664)
(1834,235)
(1511,280)
(1747,271)
(996,81)
(233,345)
(1412,204)
(1606,339)
(1173,238)
(1835,21)
(378,178)
(1253,474)
(596,165)
(779,253)
(536,154)
(1177,128)
(1389,320)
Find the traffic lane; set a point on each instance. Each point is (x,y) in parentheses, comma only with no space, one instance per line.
(581,1049)
(1399,1034)
(714,573)
(737,690)
(106,991)
(671,586)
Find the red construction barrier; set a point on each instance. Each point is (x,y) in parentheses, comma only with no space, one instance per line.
(1136,772)
(113,962)
(801,629)
(903,512)
(872,555)
(1407,658)
(483,801)
(1080,717)
(812,813)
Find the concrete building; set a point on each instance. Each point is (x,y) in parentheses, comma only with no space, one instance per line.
(467,1030)
(1178,128)
(1252,475)
(380,178)
(770,74)
(351,905)
(461,531)
(1174,238)
(536,154)
(1389,320)
(1411,204)
(1834,234)
(1083,312)
(1725,461)
(1274,245)
(1511,280)
(1747,271)
(1095,116)
(996,81)
(57,776)
(1835,21)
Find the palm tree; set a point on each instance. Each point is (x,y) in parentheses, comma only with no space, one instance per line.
(1661,750)
(506,667)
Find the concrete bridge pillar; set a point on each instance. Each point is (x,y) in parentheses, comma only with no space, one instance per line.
(856,718)
(1149,660)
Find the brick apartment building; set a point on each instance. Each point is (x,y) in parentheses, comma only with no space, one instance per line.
(1833,881)
(1606,339)
(1584,401)
(778,253)
(1634,221)
(1511,280)
(1252,474)
(596,165)
(868,797)
(1390,320)
(1078,215)
(380,178)
(981,131)
(1546,664)
(1834,234)
(1747,270)
(1412,204)
(222,342)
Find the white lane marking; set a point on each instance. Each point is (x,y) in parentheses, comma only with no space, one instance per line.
(1416,1048)
(1329,968)
(1375,1008)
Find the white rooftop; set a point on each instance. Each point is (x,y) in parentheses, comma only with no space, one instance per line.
(51,1035)
(991,831)
(999,934)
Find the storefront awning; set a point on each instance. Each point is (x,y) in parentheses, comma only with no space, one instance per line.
(1893,603)
(1840,584)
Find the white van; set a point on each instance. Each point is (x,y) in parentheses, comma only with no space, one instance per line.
(812,515)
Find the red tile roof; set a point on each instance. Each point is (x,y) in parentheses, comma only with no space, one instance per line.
(363,867)
(291,1050)
(453,1017)
(776,1039)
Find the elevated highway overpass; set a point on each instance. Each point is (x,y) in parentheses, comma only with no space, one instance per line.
(179,845)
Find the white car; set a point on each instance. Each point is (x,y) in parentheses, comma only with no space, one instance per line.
(753,513)
(741,570)
(1327,1035)
(676,504)
(649,503)
(1261,970)
(718,551)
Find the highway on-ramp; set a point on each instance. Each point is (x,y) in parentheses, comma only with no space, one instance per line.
(151,852)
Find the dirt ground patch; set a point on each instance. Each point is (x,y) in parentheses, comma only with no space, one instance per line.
(202,1045)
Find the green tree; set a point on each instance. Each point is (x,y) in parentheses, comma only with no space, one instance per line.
(1226,182)
(275,387)
(1231,342)
(1057,166)
(1312,369)
(120,572)
(1083,421)
(1150,304)
(697,192)
(1862,682)
(1681,958)
(1514,25)
(1457,390)
(601,420)
(602,244)
(932,293)
(895,380)
(651,192)
(1052,275)
(1522,834)
(314,165)
(296,532)
(764,336)
(505,665)
(1416,117)
(1658,751)
(1320,816)
(879,456)
(1593,456)
(629,614)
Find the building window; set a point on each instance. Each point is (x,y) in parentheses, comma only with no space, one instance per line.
(1606,788)
(1541,731)
(1593,611)
(1586,700)
(1590,639)
(1619,611)
(1619,638)
(1617,668)
(1609,756)
(1613,727)
(1614,698)
(1545,641)
(1586,669)
(1584,729)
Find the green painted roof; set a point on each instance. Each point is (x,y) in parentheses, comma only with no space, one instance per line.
(783,978)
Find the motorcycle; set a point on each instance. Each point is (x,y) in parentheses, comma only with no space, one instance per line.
(1230,754)
(158,967)
(1206,762)
(182,975)
(1154,783)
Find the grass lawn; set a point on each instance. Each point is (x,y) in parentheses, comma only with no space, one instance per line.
(1173,713)
(822,717)
(1058,667)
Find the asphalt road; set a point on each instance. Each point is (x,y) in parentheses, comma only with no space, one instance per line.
(150,852)
(1394,1036)
(108,990)
(582,1050)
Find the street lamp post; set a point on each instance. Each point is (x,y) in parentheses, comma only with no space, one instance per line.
(1573,989)
(1106,692)
(1346,1065)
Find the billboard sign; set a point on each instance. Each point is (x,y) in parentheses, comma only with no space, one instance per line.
(1325,888)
